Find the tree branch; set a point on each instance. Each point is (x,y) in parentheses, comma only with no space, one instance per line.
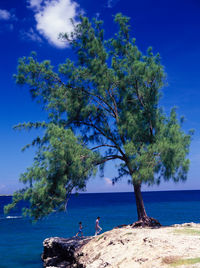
(142,103)
(115,104)
(109,138)
(104,145)
(101,99)
(139,97)
(110,157)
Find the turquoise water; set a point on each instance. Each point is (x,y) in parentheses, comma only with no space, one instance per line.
(21,241)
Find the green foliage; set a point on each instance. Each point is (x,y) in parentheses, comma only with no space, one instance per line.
(61,164)
(175,261)
(187,231)
(187,262)
(110,95)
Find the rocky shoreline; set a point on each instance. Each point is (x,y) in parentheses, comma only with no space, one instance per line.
(127,247)
(63,252)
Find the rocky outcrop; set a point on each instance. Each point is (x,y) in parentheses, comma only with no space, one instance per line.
(63,252)
(128,247)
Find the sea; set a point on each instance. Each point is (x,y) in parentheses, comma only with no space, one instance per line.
(21,239)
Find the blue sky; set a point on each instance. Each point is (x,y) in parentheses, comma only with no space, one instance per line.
(171,27)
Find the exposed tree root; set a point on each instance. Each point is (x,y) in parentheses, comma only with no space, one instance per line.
(120,226)
(146,222)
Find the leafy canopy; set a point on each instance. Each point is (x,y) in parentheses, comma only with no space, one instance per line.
(61,164)
(109,96)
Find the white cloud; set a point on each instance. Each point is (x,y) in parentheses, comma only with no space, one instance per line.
(34,3)
(108,181)
(97,15)
(30,35)
(11,27)
(112,3)
(109,3)
(4,14)
(54,17)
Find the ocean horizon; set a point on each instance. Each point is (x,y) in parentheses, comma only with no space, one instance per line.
(186,190)
(21,240)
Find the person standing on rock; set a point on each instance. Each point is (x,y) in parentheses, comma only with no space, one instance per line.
(80,229)
(98,229)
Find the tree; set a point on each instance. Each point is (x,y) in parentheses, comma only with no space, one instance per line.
(109,96)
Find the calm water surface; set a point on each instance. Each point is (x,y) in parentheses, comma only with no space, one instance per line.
(21,241)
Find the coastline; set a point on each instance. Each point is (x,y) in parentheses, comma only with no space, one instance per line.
(114,209)
(127,247)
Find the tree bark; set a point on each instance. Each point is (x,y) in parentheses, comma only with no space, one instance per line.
(143,219)
(139,202)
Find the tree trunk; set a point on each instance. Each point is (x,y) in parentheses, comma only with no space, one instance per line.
(143,219)
(139,202)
